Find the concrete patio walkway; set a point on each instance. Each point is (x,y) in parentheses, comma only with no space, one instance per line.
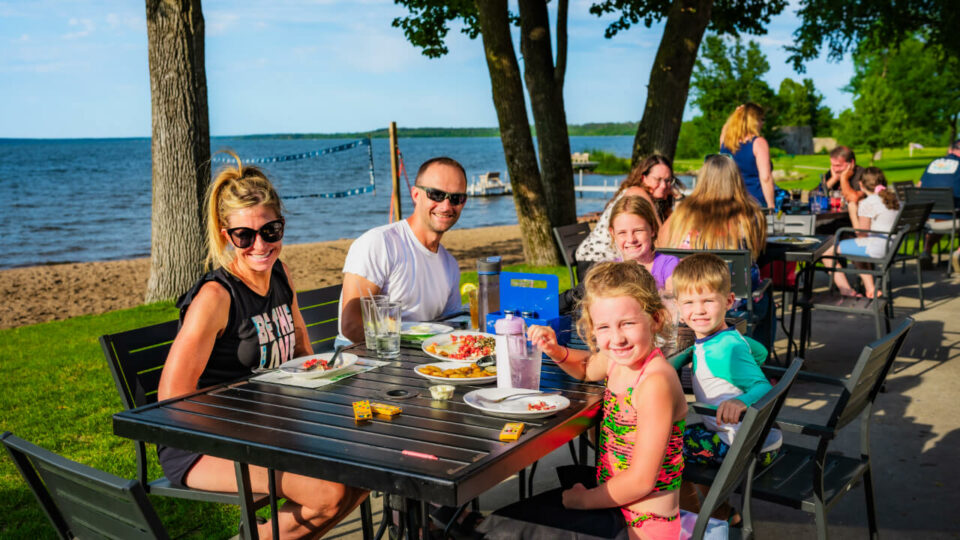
(915,434)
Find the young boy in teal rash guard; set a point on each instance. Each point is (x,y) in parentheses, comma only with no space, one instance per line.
(726,365)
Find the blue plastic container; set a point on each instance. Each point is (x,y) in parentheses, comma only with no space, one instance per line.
(537,295)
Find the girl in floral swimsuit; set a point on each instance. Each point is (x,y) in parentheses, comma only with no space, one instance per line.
(644,409)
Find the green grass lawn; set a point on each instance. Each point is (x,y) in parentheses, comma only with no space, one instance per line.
(897,165)
(58,393)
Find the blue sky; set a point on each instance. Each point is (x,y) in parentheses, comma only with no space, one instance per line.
(78,68)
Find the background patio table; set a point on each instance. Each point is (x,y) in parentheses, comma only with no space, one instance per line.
(313,432)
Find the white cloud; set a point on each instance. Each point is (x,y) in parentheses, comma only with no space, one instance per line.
(127,21)
(86,28)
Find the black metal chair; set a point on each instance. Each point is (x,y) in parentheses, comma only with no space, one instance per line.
(814,480)
(83,502)
(913,216)
(880,307)
(320,311)
(943,203)
(740,262)
(739,465)
(900,188)
(569,238)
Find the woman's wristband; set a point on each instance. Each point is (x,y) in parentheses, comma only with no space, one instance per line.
(566,353)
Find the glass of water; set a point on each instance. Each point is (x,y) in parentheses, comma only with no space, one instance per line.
(369,314)
(388,329)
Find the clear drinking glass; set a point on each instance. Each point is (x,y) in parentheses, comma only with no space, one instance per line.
(388,329)
(368,312)
(779,225)
(474,310)
(525,370)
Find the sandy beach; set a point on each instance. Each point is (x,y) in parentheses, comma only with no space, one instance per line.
(37,294)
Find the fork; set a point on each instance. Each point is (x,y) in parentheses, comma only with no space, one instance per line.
(517,396)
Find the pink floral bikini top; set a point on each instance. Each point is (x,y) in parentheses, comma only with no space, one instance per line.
(617,438)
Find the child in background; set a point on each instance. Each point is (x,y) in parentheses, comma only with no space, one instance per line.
(644,411)
(878,212)
(726,365)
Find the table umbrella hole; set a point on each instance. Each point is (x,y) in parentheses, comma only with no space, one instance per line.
(399,393)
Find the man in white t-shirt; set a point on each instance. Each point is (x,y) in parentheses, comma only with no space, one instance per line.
(404,260)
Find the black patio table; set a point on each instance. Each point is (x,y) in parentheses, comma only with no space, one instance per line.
(806,255)
(453,452)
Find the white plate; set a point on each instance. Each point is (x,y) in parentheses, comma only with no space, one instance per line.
(793,240)
(423,329)
(444,340)
(295,366)
(448,380)
(514,408)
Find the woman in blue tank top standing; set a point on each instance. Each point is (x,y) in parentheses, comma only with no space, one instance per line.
(740,138)
(240,316)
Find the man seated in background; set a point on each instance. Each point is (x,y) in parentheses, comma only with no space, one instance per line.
(404,260)
(844,175)
(942,173)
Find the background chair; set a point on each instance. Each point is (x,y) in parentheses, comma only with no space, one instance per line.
(900,188)
(943,205)
(880,307)
(83,502)
(912,216)
(813,480)
(321,311)
(738,467)
(569,238)
(741,264)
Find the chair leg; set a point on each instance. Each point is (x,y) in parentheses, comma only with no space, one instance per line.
(920,285)
(820,512)
(871,505)
(366,519)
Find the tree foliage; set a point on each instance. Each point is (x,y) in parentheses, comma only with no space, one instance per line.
(848,25)
(902,94)
(726,16)
(800,104)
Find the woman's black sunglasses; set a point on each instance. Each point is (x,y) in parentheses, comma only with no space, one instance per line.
(243,237)
(438,195)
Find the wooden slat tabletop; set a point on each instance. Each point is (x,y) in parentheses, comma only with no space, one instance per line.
(313,432)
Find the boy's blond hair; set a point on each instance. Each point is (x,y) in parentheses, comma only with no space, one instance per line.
(610,279)
(700,272)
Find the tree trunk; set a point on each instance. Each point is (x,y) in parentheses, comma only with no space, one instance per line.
(180,145)
(546,101)
(507,87)
(659,129)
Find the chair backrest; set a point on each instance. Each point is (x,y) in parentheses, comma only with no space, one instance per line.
(913,215)
(81,501)
(569,238)
(942,198)
(740,262)
(136,359)
(868,376)
(739,463)
(320,309)
(901,186)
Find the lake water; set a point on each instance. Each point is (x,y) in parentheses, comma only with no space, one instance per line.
(89,199)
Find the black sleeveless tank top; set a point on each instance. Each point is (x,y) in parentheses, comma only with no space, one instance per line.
(259,332)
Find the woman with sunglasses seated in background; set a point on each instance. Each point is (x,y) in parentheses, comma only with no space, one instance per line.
(241,316)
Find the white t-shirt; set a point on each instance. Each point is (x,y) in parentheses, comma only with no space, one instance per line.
(882,219)
(425,283)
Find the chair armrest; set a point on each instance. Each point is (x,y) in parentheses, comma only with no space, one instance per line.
(682,358)
(703,408)
(774,371)
(761,289)
(802,428)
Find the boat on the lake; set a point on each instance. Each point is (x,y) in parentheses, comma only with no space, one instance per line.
(488,185)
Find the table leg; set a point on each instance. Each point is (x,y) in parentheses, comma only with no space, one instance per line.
(805,309)
(247,512)
(272,488)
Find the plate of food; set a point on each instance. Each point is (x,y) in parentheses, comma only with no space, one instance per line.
(457,373)
(519,403)
(793,240)
(460,346)
(419,331)
(318,365)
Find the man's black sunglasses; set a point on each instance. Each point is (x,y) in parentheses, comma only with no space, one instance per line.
(438,195)
(243,237)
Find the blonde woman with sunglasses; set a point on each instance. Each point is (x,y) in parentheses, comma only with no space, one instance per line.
(242,316)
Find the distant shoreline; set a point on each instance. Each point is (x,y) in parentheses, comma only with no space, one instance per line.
(600,129)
